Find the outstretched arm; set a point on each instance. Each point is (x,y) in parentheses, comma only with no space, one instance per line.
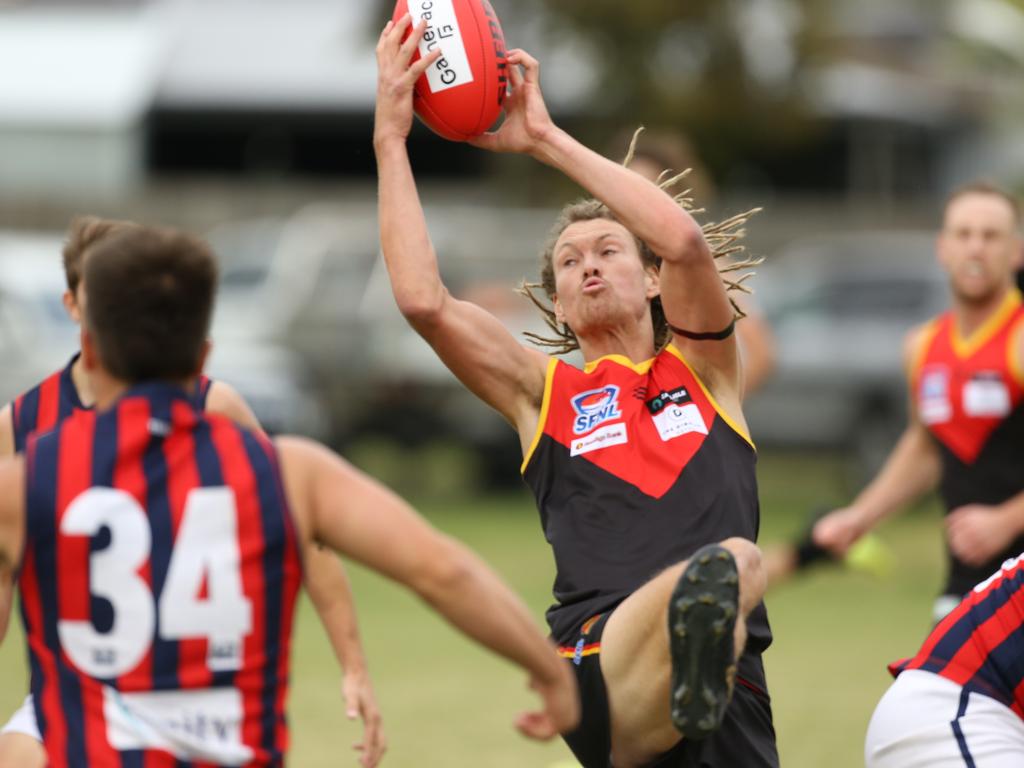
(691,290)
(474,345)
(912,469)
(337,505)
(328,587)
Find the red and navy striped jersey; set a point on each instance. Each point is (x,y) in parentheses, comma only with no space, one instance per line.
(969,395)
(980,645)
(43,407)
(158,587)
(634,467)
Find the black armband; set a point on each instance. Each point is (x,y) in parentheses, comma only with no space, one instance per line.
(721,335)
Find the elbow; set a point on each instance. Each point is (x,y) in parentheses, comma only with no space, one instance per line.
(442,575)
(687,245)
(422,310)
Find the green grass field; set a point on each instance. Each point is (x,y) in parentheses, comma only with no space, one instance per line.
(447,703)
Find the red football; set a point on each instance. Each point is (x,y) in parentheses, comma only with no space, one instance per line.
(461,94)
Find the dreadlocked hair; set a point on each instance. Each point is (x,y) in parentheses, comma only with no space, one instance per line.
(724,238)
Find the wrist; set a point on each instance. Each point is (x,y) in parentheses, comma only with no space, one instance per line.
(549,144)
(385,140)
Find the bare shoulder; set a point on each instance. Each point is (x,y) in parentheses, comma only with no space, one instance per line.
(226,401)
(12,510)
(7,430)
(914,342)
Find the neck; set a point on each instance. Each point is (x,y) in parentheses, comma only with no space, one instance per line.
(970,316)
(83,383)
(107,390)
(636,346)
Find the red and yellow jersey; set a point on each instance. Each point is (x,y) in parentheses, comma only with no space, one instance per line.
(634,467)
(969,395)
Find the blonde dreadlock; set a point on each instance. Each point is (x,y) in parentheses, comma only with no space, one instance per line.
(724,238)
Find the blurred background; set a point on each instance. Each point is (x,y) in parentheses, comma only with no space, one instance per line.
(250,122)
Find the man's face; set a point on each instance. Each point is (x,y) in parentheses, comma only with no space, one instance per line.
(600,280)
(979,246)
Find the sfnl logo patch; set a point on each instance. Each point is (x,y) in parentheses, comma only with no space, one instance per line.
(594,407)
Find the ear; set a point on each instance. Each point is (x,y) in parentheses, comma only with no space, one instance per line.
(557,306)
(652,282)
(71,306)
(1017,262)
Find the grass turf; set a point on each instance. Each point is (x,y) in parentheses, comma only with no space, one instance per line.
(448,703)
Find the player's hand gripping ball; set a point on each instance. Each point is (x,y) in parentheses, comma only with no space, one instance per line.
(461,94)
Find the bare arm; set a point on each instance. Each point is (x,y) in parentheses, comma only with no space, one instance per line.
(12,530)
(912,469)
(344,509)
(6,574)
(225,400)
(328,587)
(692,292)
(474,345)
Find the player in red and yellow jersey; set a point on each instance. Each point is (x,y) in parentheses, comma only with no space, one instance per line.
(637,462)
(965,436)
(161,547)
(68,390)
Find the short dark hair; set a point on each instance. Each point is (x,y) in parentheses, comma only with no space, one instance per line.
(983,187)
(83,233)
(150,300)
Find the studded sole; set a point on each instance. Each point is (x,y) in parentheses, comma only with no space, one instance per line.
(701,623)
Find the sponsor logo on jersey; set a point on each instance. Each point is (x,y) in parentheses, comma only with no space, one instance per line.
(934,406)
(577,655)
(986,395)
(594,407)
(677,396)
(678,420)
(605,437)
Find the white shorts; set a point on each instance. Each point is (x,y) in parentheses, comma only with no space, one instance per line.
(927,721)
(24,721)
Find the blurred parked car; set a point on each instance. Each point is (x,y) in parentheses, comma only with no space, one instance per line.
(840,308)
(37,337)
(315,282)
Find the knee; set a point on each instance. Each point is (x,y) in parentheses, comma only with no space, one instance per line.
(750,564)
(747,554)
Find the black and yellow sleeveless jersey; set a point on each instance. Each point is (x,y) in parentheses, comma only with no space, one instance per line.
(634,467)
